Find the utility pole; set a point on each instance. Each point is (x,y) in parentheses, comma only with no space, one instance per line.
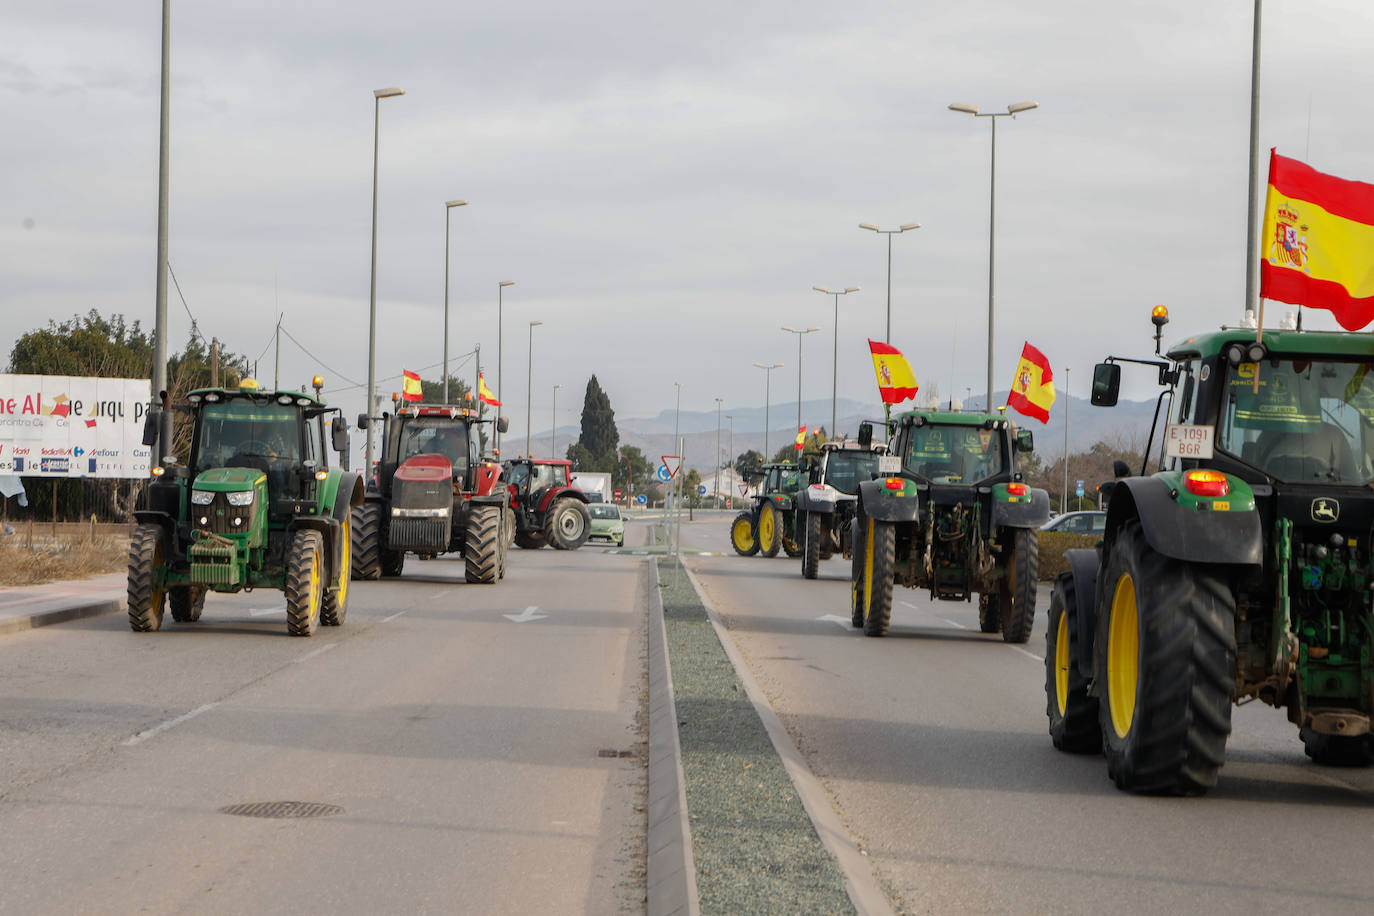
(214,362)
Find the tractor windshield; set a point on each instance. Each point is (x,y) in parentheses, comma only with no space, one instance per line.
(434,436)
(1301,420)
(244,433)
(846,470)
(954,454)
(782,480)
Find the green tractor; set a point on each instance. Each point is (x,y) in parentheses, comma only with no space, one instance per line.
(1240,570)
(255,506)
(826,507)
(950,512)
(768,525)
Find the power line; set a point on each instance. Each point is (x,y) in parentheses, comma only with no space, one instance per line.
(195,331)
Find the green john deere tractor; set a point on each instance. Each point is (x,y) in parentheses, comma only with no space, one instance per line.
(255,506)
(768,526)
(1240,570)
(949,512)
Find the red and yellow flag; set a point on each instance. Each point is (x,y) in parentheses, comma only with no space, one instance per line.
(896,382)
(484,393)
(801,438)
(411,389)
(1032,388)
(1317,246)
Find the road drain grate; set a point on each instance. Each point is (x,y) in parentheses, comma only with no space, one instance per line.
(612,752)
(282,809)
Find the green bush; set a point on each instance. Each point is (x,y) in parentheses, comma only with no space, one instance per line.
(1052,547)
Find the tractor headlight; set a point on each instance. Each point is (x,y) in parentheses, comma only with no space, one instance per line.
(241,498)
(202,497)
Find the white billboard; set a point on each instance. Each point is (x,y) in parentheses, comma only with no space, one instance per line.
(59,426)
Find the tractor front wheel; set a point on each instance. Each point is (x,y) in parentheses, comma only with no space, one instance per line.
(392,562)
(335,607)
(1166,654)
(857,545)
(186,602)
(770,540)
(529,540)
(1018,592)
(482,552)
(1338,750)
(567,524)
(880,545)
(304,583)
(366,519)
(742,535)
(147,555)
(989,614)
(1072,712)
(811,544)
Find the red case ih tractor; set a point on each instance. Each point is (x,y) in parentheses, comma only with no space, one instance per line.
(548,508)
(432,493)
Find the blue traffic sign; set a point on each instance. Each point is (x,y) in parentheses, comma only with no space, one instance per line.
(641,499)
(663,474)
(701,490)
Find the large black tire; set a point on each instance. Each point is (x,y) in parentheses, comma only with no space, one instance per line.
(482,553)
(792,547)
(304,583)
(147,554)
(769,528)
(876,591)
(186,602)
(334,609)
(1165,666)
(989,613)
(529,540)
(1338,750)
(366,519)
(811,544)
(567,524)
(1072,712)
(507,538)
(392,562)
(1018,592)
(743,537)
(858,544)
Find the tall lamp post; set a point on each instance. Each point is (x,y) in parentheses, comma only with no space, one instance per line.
(164,436)
(992,116)
(730,497)
(767,399)
(1064,503)
(889,233)
(553,446)
(529,387)
(800,332)
(377,96)
(835,357)
(500,289)
(719,401)
(448,208)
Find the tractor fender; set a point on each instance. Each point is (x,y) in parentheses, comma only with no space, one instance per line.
(555,493)
(1083,568)
(883,505)
(485,480)
(1029,514)
(348,494)
(812,499)
(164,520)
(1181,533)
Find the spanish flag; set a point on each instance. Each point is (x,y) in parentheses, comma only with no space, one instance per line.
(801,438)
(896,382)
(1317,246)
(484,393)
(411,389)
(1032,388)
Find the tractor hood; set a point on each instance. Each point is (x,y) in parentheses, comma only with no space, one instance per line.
(424,482)
(425,467)
(228,480)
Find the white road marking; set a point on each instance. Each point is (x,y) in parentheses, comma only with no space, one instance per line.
(909,604)
(954,623)
(835,618)
(1027,653)
(320,651)
(393,616)
(264,611)
(170,723)
(525,616)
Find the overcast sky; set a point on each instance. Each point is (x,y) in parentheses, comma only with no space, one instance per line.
(665,183)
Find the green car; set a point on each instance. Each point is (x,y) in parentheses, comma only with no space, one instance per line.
(607,524)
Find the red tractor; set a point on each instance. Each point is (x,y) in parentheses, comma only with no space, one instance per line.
(548,508)
(432,493)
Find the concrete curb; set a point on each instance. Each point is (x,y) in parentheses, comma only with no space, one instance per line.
(672,873)
(45,618)
(859,882)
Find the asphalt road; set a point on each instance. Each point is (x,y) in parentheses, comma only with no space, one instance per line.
(932,744)
(463,749)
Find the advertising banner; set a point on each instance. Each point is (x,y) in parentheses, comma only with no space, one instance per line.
(59,426)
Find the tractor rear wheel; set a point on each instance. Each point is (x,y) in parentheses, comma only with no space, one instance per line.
(1018,591)
(989,614)
(304,583)
(1338,750)
(858,544)
(742,535)
(482,553)
(366,519)
(529,540)
(770,539)
(1072,712)
(567,524)
(186,602)
(790,545)
(335,607)
(392,562)
(1166,659)
(147,554)
(876,591)
(811,544)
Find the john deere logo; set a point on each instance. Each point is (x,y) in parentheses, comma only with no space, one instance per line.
(1325,509)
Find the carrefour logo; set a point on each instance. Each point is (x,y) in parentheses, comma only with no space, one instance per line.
(78,451)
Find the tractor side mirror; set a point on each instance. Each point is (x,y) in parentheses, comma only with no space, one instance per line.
(338,433)
(1120,469)
(364,421)
(502,424)
(865,435)
(1025,441)
(150,425)
(1106,384)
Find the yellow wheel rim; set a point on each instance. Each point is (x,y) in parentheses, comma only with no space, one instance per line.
(868,568)
(1123,656)
(346,566)
(315,585)
(766,527)
(744,539)
(1061,664)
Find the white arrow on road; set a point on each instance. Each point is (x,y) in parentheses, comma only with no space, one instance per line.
(525,616)
(835,618)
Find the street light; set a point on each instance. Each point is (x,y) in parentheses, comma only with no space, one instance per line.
(767,399)
(164,436)
(800,332)
(553,446)
(448,208)
(500,288)
(889,233)
(1064,501)
(835,358)
(730,497)
(529,387)
(1011,112)
(377,96)
(719,401)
